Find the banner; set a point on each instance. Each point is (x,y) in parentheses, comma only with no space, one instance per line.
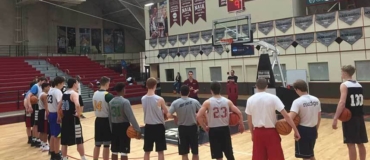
(207,49)
(174,12)
(186,11)
(172,40)
(96,40)
(162,19)
(219,49)
(351,35)
(71,40)
(220,33)
(153,42)
(265,27)
(222,3)
(119,41)
(194,37)
(183,38)
(327,37)
(62,39)
(350,16)
(184,51)
(303,22)
(162,41)
(314,2)
(84,40)
(163,53)
(325,19)
(284,41)
(153,20)
(173,52)
(270,40)
(199,10)
(194,50)
(305,40)
(284,24)
(367,12)
(108,41)
(206,35)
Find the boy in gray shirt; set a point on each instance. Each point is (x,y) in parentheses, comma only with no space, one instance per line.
(186,109)
(121,116)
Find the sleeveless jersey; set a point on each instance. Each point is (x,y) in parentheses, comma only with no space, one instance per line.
(101,107)
(152,112)
(54,96)
(41,103)
(68,107)
(355,98)
(218,112)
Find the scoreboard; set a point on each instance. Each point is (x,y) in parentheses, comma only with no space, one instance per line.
(235,5)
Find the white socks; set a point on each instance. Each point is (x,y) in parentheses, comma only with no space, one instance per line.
(83,158)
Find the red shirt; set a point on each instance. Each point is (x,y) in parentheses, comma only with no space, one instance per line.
(193,84)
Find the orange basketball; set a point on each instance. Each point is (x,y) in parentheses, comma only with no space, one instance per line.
(204,120)
(345,115)
(234,119)
(34,100)
(282,127)
(297,120)
(131,133)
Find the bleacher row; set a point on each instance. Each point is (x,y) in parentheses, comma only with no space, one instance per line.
(16,75)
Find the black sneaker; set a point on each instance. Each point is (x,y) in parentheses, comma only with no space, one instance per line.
(29,141)
(36,144)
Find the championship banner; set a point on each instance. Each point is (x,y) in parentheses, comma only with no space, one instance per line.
(207,49)
(269,40)
(325,19)
(174,12)
(351,35)
(194,50)
(186,11)
(153,42)
(284,24)
(367,12)
(284,41)
(194,37)
(350,16)
(245,28)
(219,50)
(305,40)
(183,38)
(173,52)
(265,27)
(163,53)
(153,21)
(222,3)
(327,37)
(184,51)
(162,19)
(162,41)
(220,33)
(199,10)
(206,35)
(172,40)
(303,22)
(108,40)
(62,39)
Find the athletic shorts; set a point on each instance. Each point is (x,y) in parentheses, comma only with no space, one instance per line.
(154,133)
(102,131)
(220,142)
(304,148)
(267,144)
(354,130)
(54,126)
(120,141)
(34,114)
(28,119)
(71,130)
(188,137)
(42,125)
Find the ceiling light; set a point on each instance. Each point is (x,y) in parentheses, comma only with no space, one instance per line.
(149,4)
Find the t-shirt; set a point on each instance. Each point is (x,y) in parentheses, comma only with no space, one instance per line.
(233,78)
(54,97)
(36,90)
(101,99)
(193,84)
(121,111)
(262,106)
(186,109)
(307,107)
(153,113)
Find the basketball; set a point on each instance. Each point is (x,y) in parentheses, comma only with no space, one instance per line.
(282,127)
(131,133)
(204,120)
(234,119)
(297,120)
(34,100)
(345,115)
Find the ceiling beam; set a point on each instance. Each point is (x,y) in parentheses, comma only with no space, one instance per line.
(135,10)
(121,10)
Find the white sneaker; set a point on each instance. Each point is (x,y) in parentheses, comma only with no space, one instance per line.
(45,148)
(65,158)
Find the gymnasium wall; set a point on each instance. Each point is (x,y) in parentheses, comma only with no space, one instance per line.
(7,24)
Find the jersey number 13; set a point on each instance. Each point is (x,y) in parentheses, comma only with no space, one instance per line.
(357,100)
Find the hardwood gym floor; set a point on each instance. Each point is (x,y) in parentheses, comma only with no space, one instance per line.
(13,145)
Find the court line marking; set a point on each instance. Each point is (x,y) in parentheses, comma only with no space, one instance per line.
(244,153)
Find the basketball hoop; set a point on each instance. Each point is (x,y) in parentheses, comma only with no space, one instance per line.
(225,42)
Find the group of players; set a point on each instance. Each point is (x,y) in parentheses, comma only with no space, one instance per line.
(114,115)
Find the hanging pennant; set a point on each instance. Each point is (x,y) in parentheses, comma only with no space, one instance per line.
(186,11)
(245,28)
(327,37)
(265,27)
(269,40)
(194,50)
(367,12)
(173,52)
(350,16)
(219,49)
(325,19)
(207,49)
(194,37)
(199,7)
(206,35)
(174,12)
(303,22)
(162,41)
(284,41)
(304,40)
(351,35)
(220,33)
(183,38)
(284,24)
(184,51)
(163,53)
(172,40)
(153,42)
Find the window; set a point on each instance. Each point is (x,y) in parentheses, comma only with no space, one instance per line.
(277,72)
(362,70)
(170,76)
(194,73)
(318,71)
(216,73)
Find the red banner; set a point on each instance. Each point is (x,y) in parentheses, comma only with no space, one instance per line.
(200,10)
(221,3)
(186,11)
(174,12)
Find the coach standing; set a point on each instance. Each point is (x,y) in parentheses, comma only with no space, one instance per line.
(193,86)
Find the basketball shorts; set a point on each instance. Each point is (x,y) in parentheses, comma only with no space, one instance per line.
(42,125)
(28,119)
(71,131)
(354,130)
(54,126)
(102,131)
(267,144)
(220,142)
(304,148)
(155,133)
(34,114)
(188,137)
(120,141)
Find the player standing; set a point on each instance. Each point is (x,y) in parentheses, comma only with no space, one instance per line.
(154,109)
(218,115)
(43,123)
(121,116)
(262,119)
(28,112)
(193,85)
(354,130)
(103,133)
(308,108)
(186,109)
